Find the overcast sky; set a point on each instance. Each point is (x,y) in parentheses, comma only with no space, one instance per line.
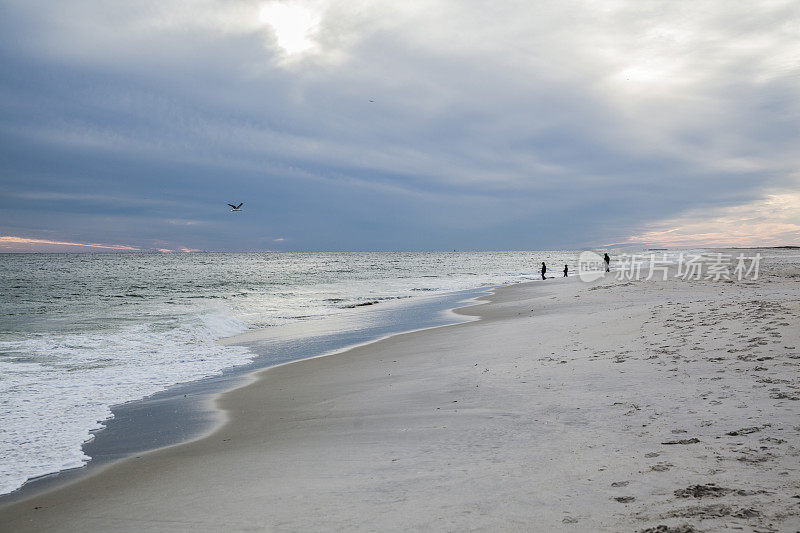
(398,125)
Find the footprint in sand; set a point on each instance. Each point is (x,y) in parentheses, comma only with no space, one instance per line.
(661,528)
(661,467)
(693,440)
(702,491)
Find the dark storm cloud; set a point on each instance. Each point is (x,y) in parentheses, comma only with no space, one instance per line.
(431,125)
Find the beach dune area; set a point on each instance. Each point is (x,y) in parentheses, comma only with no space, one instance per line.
(606,406)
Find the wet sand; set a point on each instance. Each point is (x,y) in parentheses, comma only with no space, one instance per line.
(606,406)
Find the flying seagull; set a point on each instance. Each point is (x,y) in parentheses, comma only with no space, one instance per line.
(236,207)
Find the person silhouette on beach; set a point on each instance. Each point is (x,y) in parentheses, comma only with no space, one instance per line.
(566,269)
(544,269)
(608,262)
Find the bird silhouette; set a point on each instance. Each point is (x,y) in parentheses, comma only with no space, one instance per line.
(236,207)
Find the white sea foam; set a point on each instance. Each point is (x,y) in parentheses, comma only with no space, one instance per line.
(59,388)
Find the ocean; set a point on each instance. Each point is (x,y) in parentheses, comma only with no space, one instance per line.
(80,333)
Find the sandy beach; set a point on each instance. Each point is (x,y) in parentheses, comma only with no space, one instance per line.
(604,406)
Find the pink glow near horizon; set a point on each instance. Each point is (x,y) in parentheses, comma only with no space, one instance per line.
(183,249)
(26,244)
(676,238)
(10,239)
(772,221)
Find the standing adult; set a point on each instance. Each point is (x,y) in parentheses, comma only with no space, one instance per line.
(608,262)
(544,269)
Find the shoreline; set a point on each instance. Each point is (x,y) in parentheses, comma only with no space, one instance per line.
(603,406)
(186,412)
